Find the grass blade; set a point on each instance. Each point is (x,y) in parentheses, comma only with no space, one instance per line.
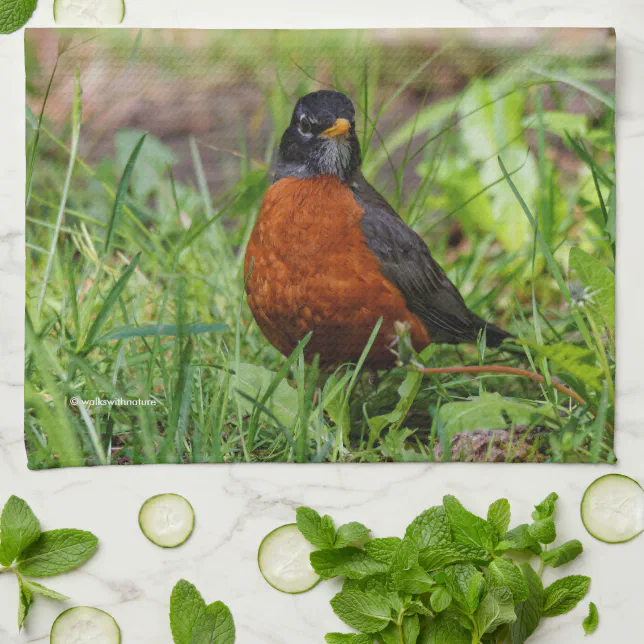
(586,88)
(547,252)
(181,401)
(121,193)
(344,412)
(62,439)
(71,286)
(77,109)
(109,303)
(34,147)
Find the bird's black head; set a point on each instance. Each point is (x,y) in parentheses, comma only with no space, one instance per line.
(321,139)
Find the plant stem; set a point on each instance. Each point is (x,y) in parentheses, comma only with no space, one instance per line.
(400,631)
(542,565)
(602,356)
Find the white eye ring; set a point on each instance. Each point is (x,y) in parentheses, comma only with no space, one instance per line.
(305,126)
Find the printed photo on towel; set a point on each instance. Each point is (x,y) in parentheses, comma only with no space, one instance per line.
(319,246)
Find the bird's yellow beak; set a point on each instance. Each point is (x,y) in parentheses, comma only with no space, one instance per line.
(341,127)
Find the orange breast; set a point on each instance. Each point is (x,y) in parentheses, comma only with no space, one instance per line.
(313,271)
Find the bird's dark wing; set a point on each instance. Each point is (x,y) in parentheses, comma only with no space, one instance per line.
(408,264)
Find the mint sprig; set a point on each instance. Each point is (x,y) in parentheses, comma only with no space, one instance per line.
(28,552)
(452,579)
(186,606)
(320,530)
(194,622)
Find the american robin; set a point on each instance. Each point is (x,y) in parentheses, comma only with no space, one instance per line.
(330,256)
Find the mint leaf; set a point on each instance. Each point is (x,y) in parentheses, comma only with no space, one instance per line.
(498,515)
(411,629)
(380,583)
(475,591)
(546,508)
(430,529)
(416,607)
(348,638)
(317,530)
(495,609)
(19,528)
(383,550)
(445,629)
(544,530)
(186,606)
(414,581)
(435,558)
(365,611)
(405,556)
(431,533)
(351,534)
(440,600)
(469,529)
(192,622)
(57,551)
(15,14)
(39,589)
(390,635)
(519,539)
(25,598)
(529,611)
(466,585)
(592,621)
(562,554)
(215,625)
(503,572)
(354,563)
(564,594)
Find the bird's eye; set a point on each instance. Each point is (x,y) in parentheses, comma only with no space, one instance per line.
(305,125)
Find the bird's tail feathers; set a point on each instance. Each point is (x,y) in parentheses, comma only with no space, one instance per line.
(494,335)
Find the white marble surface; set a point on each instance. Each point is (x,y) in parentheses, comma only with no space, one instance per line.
(236,506)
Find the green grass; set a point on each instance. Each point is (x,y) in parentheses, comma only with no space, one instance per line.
(135,279)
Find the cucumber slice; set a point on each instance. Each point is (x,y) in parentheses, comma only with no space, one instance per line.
(167,520)
(283,560)
(612,509)
(85,624)
(89,13)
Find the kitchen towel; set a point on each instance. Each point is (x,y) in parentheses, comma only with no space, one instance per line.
(319,246)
